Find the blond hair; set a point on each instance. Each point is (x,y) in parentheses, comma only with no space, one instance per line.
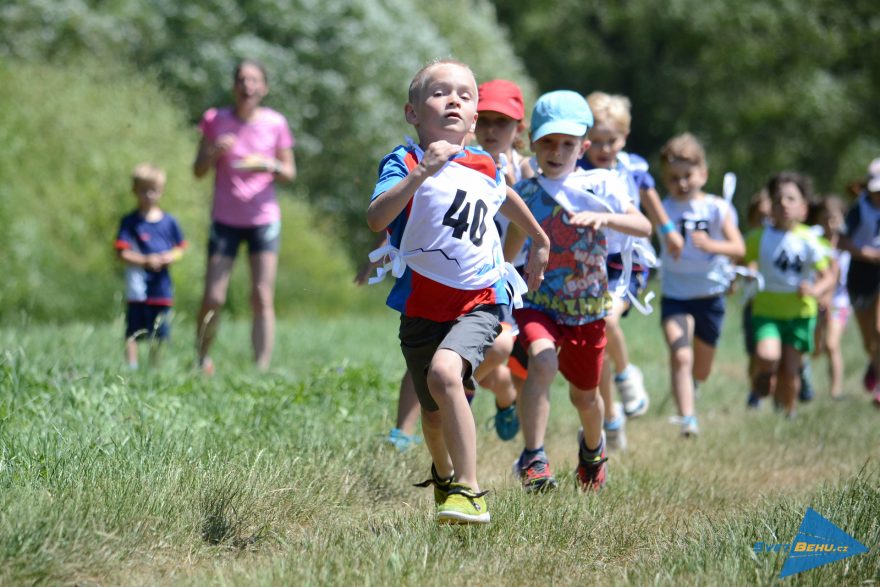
(148,173)
(423,76)
(611,108)
(684,148)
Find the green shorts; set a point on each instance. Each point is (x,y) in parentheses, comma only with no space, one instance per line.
(795,332)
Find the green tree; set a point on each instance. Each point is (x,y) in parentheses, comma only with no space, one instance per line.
(766,85)
(338,68)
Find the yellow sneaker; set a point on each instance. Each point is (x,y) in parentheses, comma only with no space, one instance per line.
(463,506)
(441,486)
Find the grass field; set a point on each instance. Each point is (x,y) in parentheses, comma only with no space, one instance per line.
(109,477)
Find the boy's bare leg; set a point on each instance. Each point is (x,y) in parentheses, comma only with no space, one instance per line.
(704,356)
(131,352)
(788,381)
(768,353)
(678,333)
(591,410)
(208,319)
(407,405)
(535,396)
(432,429)
(617,352)
(264,268)
(833,335)
(494,375)
(456,418)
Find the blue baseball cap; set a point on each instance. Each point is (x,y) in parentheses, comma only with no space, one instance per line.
(564,112)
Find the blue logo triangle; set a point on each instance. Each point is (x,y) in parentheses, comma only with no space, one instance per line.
(818,542)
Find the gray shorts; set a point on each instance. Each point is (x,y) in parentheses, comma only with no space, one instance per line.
(468,336)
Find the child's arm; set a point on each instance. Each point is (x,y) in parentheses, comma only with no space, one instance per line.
(659,218)
(863,254)
(148,262)
(731,246)
(386,206)
(825,279)
(630,221)
(523,223)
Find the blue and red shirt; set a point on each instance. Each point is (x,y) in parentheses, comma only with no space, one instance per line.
(414,294)
(136,233)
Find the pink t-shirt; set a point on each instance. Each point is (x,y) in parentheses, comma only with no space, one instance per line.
(246,198)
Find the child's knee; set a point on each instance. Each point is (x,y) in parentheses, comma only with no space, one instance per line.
(584,399)
(544,364)
(443,373)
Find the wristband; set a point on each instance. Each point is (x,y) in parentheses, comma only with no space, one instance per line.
(667,228)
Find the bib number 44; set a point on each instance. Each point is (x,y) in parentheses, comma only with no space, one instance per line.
(459,218)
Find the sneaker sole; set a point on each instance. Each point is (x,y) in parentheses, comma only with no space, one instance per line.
(641,410)
(460,518)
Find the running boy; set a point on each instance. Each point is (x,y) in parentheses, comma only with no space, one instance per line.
(694,284)
(786,254)
(437,199)
(149,241)
(613,118)
(862,240)
(499,126)
(561,324)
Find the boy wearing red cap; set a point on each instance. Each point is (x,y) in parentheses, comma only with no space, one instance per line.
(499,126)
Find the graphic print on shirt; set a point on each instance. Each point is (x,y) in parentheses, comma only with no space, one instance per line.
(575,286)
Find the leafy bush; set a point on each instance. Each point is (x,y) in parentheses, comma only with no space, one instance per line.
(71,136)
(338,69)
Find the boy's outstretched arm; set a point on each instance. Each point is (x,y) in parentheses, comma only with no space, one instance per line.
(387,205)
(522,221)
(631,221)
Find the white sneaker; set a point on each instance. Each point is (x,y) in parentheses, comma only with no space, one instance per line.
(632,392)
(615,430)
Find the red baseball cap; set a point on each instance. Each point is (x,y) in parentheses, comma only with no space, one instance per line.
(502,96)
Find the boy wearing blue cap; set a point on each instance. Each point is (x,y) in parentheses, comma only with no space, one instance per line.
(585,213)
(437,200)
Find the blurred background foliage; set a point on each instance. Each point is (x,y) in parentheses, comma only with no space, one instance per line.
(88,88)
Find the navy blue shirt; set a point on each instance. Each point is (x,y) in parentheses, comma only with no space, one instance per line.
(147,238)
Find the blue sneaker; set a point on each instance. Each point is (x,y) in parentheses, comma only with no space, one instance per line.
(806,393)
(507,422)
(754,401)
(400,440)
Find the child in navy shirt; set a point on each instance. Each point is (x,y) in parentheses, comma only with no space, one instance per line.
(149,241)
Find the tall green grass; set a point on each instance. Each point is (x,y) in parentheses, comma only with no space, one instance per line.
(164,477)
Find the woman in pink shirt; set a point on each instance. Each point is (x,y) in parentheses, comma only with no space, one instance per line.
(250,147)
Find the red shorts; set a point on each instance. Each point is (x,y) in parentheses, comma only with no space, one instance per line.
(580,348)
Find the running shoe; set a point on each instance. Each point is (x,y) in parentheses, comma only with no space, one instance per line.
(506,422)
(870,378)
(441,486)
(591,475)
(401,440)
(806,393)
(463,505)
(754,401)
(632,392)
(535,475)
(615,430)
(689,427)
